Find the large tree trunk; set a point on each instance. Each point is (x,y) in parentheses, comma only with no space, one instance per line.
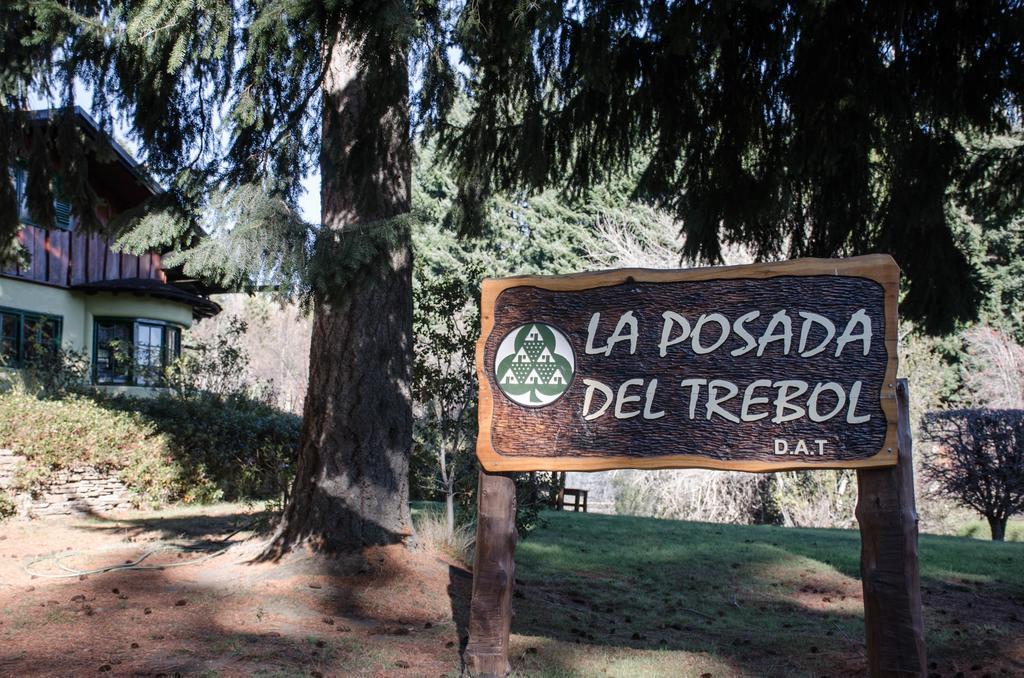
(998,526)
(352,486)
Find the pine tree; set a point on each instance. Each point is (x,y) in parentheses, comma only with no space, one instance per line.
(231,105)
(799,128)
(796,128)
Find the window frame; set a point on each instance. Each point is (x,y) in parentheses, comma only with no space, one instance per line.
(22,316)
(61,208)
(169,350)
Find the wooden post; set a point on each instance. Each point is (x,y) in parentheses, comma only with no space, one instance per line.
(887,514)
(494,574)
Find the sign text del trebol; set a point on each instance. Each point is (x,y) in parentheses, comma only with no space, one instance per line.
(759,368)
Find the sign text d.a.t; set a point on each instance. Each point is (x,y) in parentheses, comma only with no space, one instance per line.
(761,367)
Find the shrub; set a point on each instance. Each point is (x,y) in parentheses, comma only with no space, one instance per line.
(218,366)
(54,373)
(211,436)
(163,449)
(533,496)
(243,447)
(57,434)
(821,498)
(727,497)
(433,533)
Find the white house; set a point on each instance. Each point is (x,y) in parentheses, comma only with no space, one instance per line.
(79,293)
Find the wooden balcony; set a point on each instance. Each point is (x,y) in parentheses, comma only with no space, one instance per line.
(66,259)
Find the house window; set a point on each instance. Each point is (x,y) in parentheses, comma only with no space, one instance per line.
(133,352)
(24,335)
(61,207)
(112,355)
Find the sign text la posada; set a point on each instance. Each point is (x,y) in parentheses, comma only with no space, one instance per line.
(765,367)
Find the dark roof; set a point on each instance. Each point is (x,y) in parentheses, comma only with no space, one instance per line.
(143,185)
(93,129)
(201,306)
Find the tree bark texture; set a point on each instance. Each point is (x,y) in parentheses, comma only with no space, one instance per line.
(494,575)
(887,514)
(351,488)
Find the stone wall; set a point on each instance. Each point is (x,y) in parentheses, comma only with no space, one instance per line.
(74,491)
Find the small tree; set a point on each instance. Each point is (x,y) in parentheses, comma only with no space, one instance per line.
(217,365)
(979,461)
(444,386)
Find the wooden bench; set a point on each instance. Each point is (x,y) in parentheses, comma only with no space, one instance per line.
(577,495)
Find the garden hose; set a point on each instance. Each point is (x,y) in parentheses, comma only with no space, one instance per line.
(58,559)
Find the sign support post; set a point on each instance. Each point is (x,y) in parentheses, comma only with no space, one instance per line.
(767,367)
(887,514)
(494,575)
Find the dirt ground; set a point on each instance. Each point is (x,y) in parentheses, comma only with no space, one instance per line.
(206,612)
(197,602)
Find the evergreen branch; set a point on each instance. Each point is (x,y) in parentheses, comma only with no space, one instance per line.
(158,29)
(83,19)
(338,256)
(296,114)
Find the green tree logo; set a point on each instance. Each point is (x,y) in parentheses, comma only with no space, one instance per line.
(534,364)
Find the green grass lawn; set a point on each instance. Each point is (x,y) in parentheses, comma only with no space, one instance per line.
(979,529)
(617,595)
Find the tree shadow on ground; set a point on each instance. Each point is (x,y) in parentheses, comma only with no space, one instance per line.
(593,594)
(224,617)
(153,635)
(191,525)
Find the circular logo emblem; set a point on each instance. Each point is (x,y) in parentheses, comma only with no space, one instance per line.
(534,365)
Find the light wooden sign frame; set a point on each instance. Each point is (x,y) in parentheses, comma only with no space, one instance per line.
(878,268)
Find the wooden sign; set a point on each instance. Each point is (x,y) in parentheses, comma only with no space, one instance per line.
(756,368)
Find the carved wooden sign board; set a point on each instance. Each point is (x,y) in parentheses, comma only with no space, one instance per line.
(764,367)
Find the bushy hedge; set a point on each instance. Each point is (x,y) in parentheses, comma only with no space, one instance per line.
(236,448)
(163,449)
